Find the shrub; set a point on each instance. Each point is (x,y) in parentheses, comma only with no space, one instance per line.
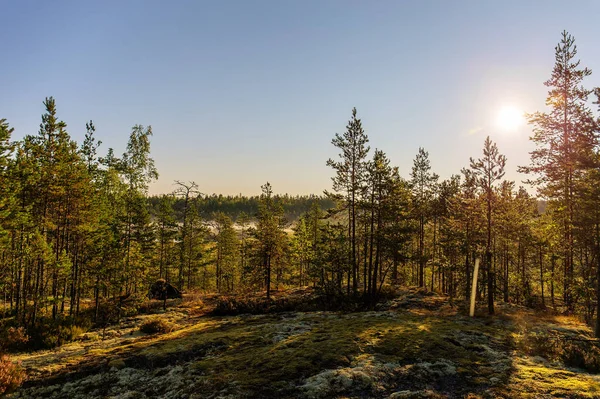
(49,333)
(11,375)
(132,305)
(193,301)
(230,306)
(149,307)
(314,301)
(571,350)
(14,339)
(156,326)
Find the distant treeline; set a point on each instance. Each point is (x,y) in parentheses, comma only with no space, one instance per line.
(233,205)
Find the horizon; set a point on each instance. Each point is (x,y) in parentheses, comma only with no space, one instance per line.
(241,94)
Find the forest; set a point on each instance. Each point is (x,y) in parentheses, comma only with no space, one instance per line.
(79,231)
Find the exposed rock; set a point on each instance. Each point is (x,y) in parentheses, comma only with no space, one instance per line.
(424,394)
(361,378)
(332,382)
(439,369)
(284,331)
(382,354)
(117,364)
(162,290)
(494,381)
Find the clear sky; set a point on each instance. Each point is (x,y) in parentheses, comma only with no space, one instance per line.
(243,92)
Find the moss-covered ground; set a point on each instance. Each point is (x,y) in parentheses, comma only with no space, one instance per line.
(413,346)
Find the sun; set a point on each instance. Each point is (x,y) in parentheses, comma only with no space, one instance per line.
(509,118)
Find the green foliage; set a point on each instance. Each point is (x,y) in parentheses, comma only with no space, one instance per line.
(48,333)
(487,171)
(271,239)
(227,252)
(566,140)
(235,205)
(349,182)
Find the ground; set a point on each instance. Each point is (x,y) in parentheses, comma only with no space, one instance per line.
(416,345)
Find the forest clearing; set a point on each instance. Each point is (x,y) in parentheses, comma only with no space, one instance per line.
(415,345)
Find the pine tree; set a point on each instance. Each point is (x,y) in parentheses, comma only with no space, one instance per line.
(7,207)
(227,253)
(243,221)
(269,233)
(189,192)
(302,249)
(382,181)
(564,139)
(137,167)
(166,234)
(488,170)
(6,194)
(448,249)
(349,180)
(423,184)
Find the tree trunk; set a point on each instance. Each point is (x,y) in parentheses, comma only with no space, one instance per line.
(542,276)
(422,251)
(597,329)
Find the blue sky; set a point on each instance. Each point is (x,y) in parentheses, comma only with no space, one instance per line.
(243,92)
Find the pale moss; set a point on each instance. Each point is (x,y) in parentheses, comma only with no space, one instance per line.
(325,354)
(538,380)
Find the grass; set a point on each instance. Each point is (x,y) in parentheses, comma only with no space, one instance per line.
(157,326)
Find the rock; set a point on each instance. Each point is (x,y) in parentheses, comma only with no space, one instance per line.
(287,330)
(540,359)
(424,394)
(332,382)
(162,290)
(117,364)
(441,368)
(130,395)
(402,395)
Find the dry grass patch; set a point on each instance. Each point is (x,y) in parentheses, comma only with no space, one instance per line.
(157,326)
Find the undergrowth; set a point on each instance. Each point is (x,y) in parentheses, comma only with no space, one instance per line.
(309,301)
(11,375)
(573,351)
(157,326)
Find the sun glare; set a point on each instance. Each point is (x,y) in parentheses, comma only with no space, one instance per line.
(509,119)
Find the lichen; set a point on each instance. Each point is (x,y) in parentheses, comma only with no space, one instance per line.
(383,353)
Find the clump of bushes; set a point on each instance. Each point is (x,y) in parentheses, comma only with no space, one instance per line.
(573,351)
(313,301)
(230,306)
(14,339)
(11,375)
(49,333)
(157,326)
(135,304)
(110,311)
(46,333)
(193,302)
(149,307)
